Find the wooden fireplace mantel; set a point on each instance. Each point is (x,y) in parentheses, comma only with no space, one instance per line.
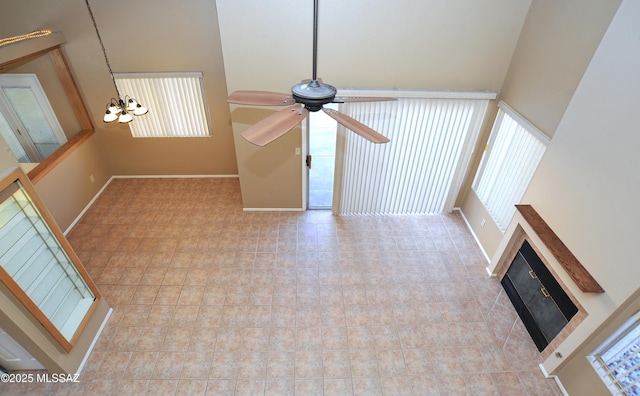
(569,262)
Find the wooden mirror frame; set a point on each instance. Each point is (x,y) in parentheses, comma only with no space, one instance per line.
(17,175)
(52,45)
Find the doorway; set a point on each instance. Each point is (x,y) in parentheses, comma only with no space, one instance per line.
(322,155)
(13,356)
(27,121)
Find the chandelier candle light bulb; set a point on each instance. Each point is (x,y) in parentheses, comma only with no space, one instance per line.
(117,109)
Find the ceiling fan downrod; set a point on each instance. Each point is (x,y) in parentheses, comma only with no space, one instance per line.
(311,94)
(314,94)
(314,76)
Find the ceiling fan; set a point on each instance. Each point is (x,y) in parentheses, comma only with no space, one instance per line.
(309,95)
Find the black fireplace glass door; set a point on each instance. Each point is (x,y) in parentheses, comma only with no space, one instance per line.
(546,314)
(538,298)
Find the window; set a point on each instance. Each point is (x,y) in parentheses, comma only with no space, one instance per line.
(514,150)
(432,135)
(27,121)
(38,267)
(176,102)
(617,360)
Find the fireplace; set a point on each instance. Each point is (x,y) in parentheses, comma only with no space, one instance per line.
(531,245)
(542,304)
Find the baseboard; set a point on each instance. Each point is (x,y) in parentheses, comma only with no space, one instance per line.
(486,256)
(95,339)
(87,206)
(174,176)
(272,210)
(555,378)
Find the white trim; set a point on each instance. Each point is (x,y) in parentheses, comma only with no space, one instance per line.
(555,378)
(610,376)
(475,237)
(544,371)
(95,340)
(560,386)
(86,208)
(616,335)
(396,93)
(304,152)
(173,176)
(465,156)
(273,209)
(524,122)
(159,75)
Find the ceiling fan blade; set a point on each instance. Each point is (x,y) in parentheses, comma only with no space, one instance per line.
(372,99)
(269,129)
(356,126)
(260,98)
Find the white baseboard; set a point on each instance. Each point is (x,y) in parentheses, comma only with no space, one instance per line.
(555,378)
(95,339)
(272,210)
(173,176)
(87,206)
(486,256)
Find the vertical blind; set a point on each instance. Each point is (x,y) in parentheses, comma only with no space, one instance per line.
(176,103)
(421,169)
(515,148)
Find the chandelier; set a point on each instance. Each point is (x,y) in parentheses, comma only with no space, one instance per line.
(117,109)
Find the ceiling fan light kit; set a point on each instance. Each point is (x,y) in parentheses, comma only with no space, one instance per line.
(312,94)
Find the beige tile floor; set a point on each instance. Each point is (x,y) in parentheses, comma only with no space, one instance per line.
(212,300)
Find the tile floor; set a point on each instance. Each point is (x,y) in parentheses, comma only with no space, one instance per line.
(212,300)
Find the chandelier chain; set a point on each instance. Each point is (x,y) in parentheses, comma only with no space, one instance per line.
(104,51)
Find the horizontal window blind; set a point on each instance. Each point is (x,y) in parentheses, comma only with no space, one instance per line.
(617,362)
(176,102)
(514,150)
(421,169)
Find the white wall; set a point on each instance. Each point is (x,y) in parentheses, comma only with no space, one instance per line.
(587,186)
(556,44)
